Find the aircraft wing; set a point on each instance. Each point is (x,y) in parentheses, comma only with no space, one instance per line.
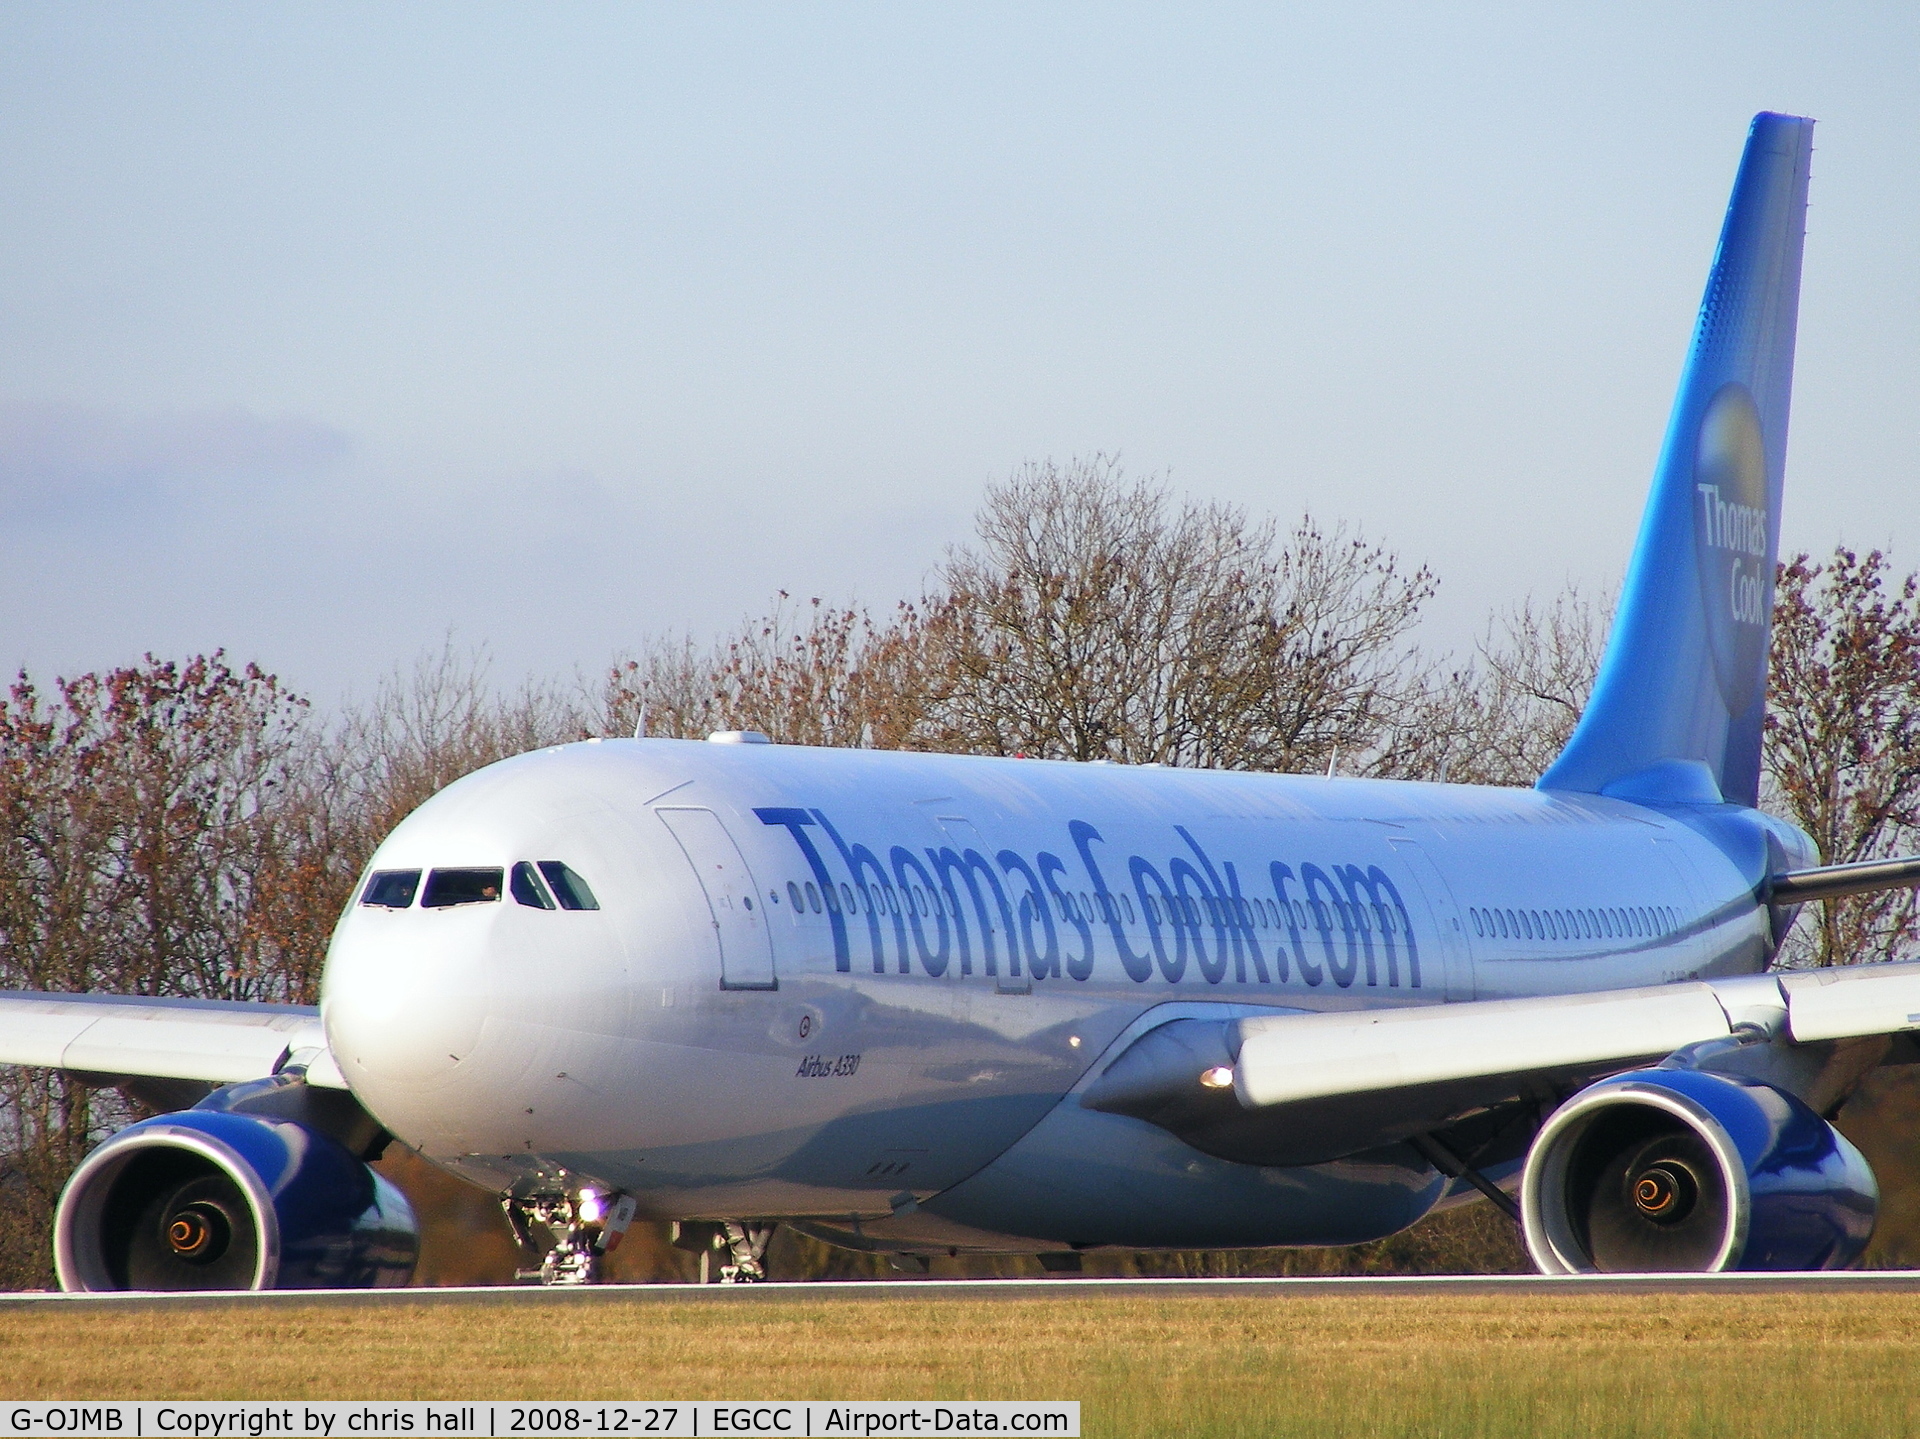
(1311,1056)
(1298,1088)
(122,1036)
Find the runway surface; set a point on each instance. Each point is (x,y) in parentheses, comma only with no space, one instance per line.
(883,1291)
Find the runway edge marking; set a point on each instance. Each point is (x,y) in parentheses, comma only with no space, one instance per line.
(1848,1281)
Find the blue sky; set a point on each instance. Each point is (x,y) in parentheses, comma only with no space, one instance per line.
(328,330)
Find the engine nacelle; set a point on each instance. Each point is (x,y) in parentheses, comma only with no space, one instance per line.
(1667,1170)
(205,1199)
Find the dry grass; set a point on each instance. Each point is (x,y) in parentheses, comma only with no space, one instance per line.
(1734,1364)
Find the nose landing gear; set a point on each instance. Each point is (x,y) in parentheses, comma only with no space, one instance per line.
(570,1232)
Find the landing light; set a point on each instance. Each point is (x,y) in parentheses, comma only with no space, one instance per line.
(1219,1077)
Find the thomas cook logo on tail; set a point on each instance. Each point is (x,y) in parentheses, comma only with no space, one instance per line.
(1730,541)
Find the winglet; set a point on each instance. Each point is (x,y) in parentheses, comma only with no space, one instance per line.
(1677,707)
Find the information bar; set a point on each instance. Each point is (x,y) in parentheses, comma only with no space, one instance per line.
(528,1419)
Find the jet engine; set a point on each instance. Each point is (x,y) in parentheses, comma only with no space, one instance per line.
(205,1199)
(1685,1170)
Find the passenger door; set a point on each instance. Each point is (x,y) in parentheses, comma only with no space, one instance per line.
(739,923)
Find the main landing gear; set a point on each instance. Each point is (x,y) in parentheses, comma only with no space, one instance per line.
(739,1244)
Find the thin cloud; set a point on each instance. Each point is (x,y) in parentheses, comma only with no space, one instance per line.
(61,463)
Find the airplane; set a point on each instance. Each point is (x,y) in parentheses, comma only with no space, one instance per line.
(922,1005)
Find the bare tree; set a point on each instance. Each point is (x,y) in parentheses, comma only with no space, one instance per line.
(670,690)
(429,724)
(1099,619)
(1505,717)
(139,808)
(1843,740)
(814,674)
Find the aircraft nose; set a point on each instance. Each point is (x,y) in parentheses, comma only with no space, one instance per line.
(404,998)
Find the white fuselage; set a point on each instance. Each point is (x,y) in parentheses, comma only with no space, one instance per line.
(894,1057)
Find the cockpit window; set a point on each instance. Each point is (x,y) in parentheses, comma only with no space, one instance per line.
(391,888)
(567,886)
(527,888)
(448,887)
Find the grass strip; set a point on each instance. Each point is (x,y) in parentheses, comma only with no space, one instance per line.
(1413,1365)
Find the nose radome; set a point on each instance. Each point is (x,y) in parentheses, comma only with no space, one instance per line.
(404,996)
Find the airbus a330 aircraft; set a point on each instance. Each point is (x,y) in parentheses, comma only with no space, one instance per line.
(927,1004)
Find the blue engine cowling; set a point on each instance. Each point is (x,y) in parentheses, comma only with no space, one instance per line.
(209,1200)
(1665,1170)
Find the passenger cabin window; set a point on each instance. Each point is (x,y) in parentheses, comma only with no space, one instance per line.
(449,887)
(1637,922)
(567,886)
(391,888)
(528,889)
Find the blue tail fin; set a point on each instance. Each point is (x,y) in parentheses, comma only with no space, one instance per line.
(1677,706)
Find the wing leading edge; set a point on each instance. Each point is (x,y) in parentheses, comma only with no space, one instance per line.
(121,1036)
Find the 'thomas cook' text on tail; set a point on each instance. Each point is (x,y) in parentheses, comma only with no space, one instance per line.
(1677,707)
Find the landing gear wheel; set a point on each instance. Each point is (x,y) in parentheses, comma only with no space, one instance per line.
(570,1262)
(747,1250)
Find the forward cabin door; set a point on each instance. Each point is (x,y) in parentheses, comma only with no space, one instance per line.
(739,922)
